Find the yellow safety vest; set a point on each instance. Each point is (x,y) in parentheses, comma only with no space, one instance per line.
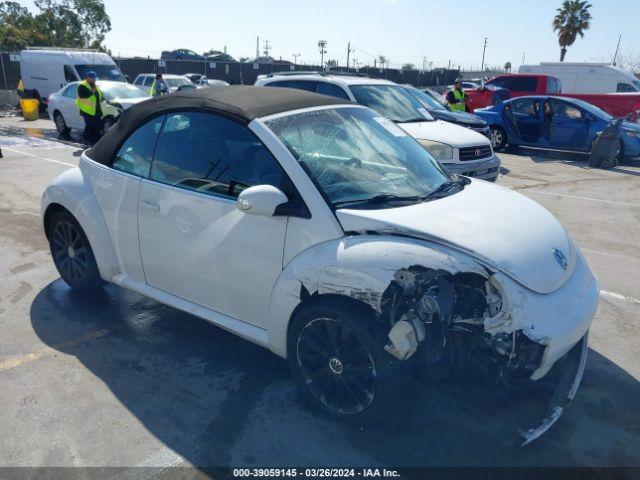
(89,105)
(154,87)
(459,106)
(20,86)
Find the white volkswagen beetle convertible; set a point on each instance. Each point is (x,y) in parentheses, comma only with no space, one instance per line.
(322,231)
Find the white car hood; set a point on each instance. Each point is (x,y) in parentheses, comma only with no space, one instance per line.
(501,228)
(129,102)
(445,132)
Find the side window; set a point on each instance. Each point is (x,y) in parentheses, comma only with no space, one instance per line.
(565,110)
(71,91)
(148,81)
(522,84)
(624,87)
(331,90)
(524,107)
(499,82)
(553,85)
(281,84)
(213,155)
(138,81)
(307,85)
(135,155)
(69,74)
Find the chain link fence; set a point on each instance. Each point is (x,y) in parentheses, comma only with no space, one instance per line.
(234,72)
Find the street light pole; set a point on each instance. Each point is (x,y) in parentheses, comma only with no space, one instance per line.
(483,51)
(322,45)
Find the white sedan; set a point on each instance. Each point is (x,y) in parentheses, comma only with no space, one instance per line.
(322,231)
(118,96)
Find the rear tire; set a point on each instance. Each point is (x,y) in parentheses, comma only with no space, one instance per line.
(72,253)
(337,357)
(61,124)
(498,137)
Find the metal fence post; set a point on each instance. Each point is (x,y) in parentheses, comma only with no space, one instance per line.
(4,75)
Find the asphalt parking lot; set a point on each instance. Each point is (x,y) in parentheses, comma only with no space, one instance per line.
(118,380)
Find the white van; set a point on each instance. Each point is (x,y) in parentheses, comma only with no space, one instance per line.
(587,77)
(48,70)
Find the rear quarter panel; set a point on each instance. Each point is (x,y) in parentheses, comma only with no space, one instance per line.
(71,191)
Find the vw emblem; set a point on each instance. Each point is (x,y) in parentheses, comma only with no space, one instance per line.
(478,152)
(560,258)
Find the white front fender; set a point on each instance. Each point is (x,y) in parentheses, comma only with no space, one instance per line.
(359,267)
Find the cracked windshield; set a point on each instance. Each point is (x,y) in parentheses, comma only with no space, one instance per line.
(354,155)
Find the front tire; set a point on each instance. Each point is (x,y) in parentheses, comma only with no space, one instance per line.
(61,124)
(72,253)
(498,137)
(337,357)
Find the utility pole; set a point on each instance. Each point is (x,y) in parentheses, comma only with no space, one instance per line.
(267,47)
(322,45)
(483,51)
(257,47)
(348,53)
(295,58)
(615,56)
(524,54)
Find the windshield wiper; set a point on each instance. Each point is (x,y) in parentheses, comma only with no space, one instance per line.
(445,187)
(413,120)
(379,199)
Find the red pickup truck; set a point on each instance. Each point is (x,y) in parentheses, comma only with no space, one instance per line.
(518,85)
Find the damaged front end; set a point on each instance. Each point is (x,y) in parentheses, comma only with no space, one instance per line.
(459,324)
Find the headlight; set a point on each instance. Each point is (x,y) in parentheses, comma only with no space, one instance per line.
(441,151)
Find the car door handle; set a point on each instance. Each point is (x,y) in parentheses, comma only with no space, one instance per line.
(152,207)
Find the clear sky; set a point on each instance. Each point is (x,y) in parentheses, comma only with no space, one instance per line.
(404,31)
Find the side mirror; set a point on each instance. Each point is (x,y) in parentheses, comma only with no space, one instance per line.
(261,200)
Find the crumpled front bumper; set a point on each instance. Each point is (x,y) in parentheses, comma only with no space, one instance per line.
(573,367)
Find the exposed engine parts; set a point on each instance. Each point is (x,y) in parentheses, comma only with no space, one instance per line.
(455,322)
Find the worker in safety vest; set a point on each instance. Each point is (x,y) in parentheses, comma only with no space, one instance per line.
(88,101)
(20,88)
(457,98)
(158,87)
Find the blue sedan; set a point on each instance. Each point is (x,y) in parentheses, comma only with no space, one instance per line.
(555,123)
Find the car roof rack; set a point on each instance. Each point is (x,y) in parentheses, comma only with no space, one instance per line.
(323,73)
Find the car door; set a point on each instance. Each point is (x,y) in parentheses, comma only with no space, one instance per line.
(69,109)
(194,242)
(116,189)
(569,126)
(526,118)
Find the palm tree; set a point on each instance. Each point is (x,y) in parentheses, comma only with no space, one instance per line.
(572,19)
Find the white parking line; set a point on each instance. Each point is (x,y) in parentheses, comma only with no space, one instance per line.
(617,296)
(589,199)
(626,258)
(38,157)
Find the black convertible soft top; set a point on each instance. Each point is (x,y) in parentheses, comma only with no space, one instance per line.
(242,103)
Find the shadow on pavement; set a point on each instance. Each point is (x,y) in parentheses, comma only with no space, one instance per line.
(579,160)
(218,400)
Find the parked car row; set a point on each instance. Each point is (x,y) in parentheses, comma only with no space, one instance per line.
(460,150)
(552,122)
(118,96)
(518,85)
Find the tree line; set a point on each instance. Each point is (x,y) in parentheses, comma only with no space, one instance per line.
(57,23)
